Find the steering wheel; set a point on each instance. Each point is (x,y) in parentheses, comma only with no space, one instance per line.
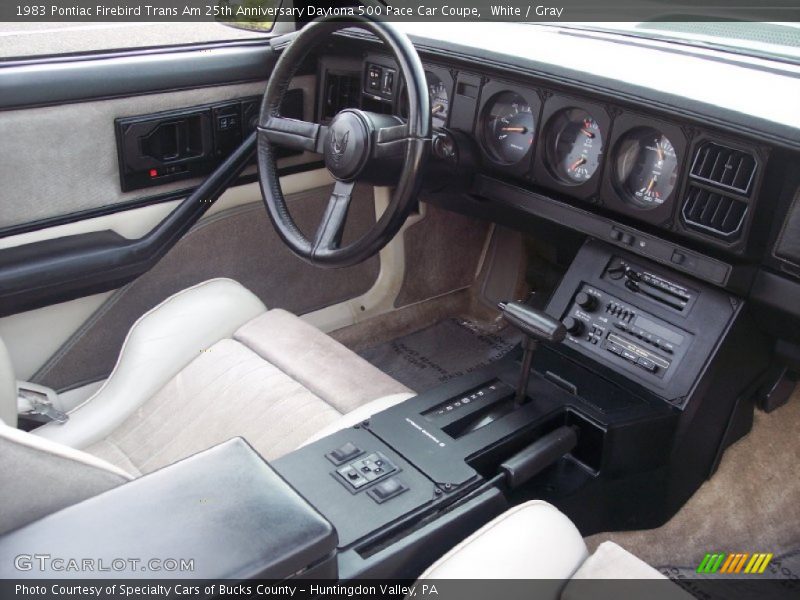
(357,145)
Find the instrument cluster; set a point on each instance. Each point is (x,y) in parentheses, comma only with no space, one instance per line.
(627,162)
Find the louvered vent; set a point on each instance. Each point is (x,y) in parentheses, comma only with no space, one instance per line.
(341,91)
(717,214)
(724,167)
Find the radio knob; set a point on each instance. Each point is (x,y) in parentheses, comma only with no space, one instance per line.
(585,301)
(573,325)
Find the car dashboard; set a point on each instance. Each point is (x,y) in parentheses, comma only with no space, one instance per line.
(706,200)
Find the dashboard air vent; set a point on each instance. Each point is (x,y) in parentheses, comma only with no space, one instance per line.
(713,213)
(342,90)
(724,167)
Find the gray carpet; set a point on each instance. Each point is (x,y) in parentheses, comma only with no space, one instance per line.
(751,504)
(440,352)
(779,581)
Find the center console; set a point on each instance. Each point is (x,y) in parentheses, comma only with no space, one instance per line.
(652,381)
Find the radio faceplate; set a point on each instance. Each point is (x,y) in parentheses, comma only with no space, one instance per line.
(654,327)
(617,332)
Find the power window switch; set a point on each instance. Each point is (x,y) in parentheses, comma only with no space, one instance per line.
(344,453)
(387,489)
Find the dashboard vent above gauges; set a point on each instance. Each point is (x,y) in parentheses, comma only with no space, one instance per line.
(724,167)
(713,213)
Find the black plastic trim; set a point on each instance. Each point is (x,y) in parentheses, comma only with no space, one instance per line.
(631,239)
(57,270)
(776,292)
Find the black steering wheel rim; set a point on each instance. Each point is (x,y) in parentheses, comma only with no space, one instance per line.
(383,141)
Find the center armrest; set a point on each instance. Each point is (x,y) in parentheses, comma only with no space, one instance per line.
(225,510)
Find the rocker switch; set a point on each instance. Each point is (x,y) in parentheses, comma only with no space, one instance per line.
(343,453)
(386,490)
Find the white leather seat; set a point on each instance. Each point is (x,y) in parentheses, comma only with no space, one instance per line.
(536,541)
(211,363)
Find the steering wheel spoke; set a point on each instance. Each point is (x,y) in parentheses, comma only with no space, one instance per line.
(294,133)
(329,233)
(390,141)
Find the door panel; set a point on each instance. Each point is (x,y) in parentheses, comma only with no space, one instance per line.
(63,159)
(29,82)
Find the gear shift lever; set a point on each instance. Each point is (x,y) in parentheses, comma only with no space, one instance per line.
(537,326)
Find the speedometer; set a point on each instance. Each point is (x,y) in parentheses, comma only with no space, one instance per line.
(508,127)
(646,168)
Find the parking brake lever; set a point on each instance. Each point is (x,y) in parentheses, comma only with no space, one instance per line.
(537,326)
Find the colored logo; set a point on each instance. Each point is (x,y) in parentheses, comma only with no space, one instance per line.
(735,564)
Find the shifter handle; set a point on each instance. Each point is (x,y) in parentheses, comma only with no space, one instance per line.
(533,322)
(537,326)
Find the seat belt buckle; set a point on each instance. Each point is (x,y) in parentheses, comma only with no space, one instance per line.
(38,403)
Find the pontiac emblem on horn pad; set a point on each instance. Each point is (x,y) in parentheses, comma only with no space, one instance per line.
(338,146)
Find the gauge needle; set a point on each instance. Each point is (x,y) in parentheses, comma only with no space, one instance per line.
(515,129)
(437,108)
(660,152)
(651,184)
(587,133)
(577,163)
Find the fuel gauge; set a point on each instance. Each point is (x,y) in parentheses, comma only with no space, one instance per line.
(574,145)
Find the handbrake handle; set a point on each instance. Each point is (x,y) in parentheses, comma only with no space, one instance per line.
(532,460)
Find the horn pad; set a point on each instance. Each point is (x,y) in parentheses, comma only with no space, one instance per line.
(347,145)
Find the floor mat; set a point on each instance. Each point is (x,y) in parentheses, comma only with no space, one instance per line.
(447,349)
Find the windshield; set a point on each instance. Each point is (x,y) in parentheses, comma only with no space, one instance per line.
(766,40)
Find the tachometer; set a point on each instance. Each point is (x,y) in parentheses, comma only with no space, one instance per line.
(508,127)
(646,167)
(574,145)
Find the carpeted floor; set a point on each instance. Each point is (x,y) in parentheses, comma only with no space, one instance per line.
(751,504)
(449,348)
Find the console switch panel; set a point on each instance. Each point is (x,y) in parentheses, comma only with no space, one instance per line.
(365,470)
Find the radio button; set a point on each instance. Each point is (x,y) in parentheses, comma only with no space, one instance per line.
(647,365)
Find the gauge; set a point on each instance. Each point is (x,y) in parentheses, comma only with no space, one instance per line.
(439,99)
(646,167)
(508,128)
(574,145)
